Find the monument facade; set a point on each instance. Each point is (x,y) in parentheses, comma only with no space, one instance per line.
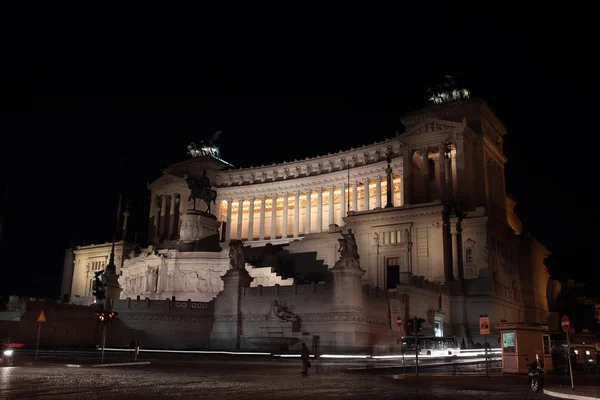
(418,225)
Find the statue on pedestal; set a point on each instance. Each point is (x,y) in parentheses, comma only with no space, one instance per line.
(201,189)
(236,254)
(348,247)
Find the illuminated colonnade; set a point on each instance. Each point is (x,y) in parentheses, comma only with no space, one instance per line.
(286,220)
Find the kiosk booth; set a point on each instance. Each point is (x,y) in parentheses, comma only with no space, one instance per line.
(522,344)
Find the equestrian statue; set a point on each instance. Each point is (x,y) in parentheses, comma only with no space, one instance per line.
(201,189)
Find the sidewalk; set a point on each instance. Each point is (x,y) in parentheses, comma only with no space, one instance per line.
(580,393)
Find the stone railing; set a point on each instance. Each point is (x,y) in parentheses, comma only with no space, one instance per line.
(172,305)
(290,289)
(422,283)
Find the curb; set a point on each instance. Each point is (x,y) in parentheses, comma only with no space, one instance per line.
(108,365)
(554,393)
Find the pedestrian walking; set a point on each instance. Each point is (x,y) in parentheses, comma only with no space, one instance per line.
(305,357)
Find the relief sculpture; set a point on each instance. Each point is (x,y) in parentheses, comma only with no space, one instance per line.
(280,313)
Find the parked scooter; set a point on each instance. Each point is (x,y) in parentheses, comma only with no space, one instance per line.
(536,377)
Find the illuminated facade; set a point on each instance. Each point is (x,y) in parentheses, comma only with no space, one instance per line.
(448,239)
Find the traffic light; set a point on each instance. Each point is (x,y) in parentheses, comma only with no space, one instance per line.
(98,289)
(410,327)
(419,324)
(111,315)
(101,316)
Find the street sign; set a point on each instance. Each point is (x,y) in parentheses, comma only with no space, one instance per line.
(399,321)
(564,323)
(484,325)
(42,317)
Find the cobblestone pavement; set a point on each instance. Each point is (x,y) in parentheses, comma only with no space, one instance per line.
(217,380)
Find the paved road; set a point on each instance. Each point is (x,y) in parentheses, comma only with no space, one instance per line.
(239,380)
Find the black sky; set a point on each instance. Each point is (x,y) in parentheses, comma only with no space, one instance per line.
(63,153)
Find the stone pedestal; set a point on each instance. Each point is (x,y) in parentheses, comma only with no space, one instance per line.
(278,328)
(227,325)
(199,232)
(113,289)
(347,286)
(350,330)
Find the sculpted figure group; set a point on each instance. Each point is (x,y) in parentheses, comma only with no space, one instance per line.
(348,246)
(236,254)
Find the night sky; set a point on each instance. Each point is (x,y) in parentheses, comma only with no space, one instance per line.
(66,157)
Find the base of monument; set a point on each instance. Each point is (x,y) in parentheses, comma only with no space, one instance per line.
(209,243)
(269,343)
(191,211)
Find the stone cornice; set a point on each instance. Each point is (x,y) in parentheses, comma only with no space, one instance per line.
(493,151)
(317,166)
(432,126)
(168,184)
(493,119)
(342,153)
(394,214)
(311,182)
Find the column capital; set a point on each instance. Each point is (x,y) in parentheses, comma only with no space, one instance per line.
(296,193)
(378,179)
(319,190)
(262,197)
(308,191)
(251,198)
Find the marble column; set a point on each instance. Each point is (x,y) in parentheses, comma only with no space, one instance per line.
(366,200)
(355,196)
(274,217)
(406,174)
(342,203)
(401,189)
(152,206)
(442,148)
(182,205)
(331,204)
(308,211)
(459,186)
(157,208)
(296,213)
(171,218)
(378,192)
(425,155)
(284,216)
(261,222)
(228,220)
(455,243)
(152,218)
(319,210)
(240,216)
(451,173)
(251,219)
(163,215)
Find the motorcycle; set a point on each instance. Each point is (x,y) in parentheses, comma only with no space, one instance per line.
(536,377)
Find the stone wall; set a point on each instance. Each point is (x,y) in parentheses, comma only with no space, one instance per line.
(162,324)
(66,325)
